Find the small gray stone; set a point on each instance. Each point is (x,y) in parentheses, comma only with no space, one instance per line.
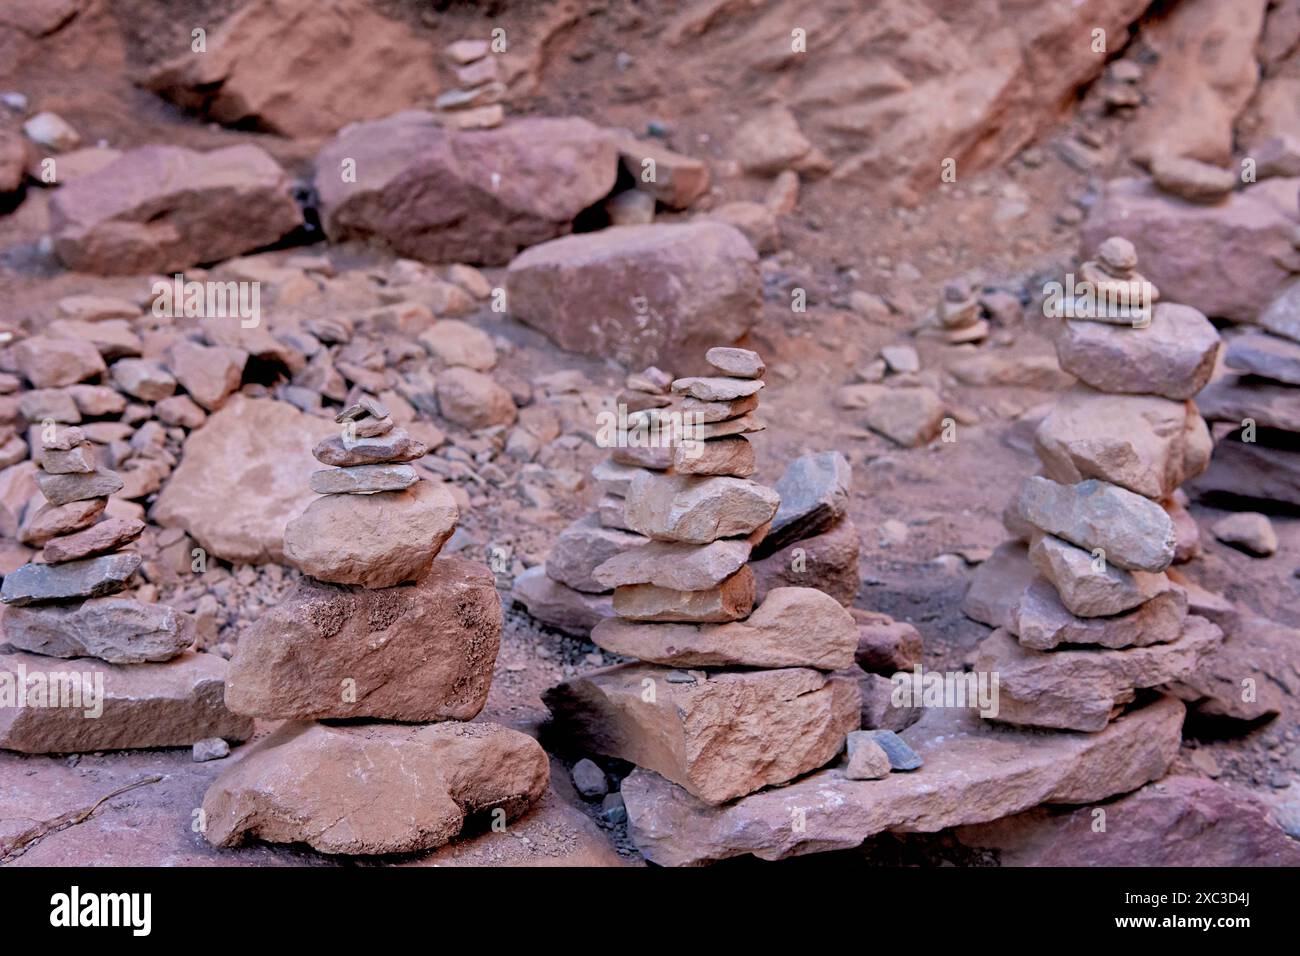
(717,388)
(740,363)
(91,577)
(396,445)
(211,748)
(814,495)
(1133,532)
(1247,531)
(866,759)
(362,479)
(612,809)
(901,756)
(589,779)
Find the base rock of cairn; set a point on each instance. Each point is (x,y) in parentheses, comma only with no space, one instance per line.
(1101,621)
(70,632)
(370,645)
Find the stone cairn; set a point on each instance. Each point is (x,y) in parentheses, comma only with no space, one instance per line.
(958,318)
(1101,621)
(726,698)
(378,629)
(155,692)
(476,102)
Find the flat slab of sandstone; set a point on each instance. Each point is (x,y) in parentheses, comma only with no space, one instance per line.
(973,772)
(170,704)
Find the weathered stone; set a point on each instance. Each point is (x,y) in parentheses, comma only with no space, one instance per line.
(438,195)
(1266,356)
(88,578)
(793,627)
(880,710)
(53,363)
(210,374)
(1248,531)
(168,704)
(697,509)
(143,379)
(242,476)
(731,600)
(814,494)
(744,425)
(900,755)
(1182,821)
(908,416)
(65,488)
(739,363)
(363,479)
(1134,532)
(419,652)
(1256,653)
(1041,621)
(1083,689)
(1146,444)
(973,773)
(50,521)
(556,605)
(113,337)
(666,564)
(997,583)
(717,388)
(1086,589)
(453,343)
(116,630)
(678,180)
(583,547)
(163,208)
(376,540)
(108,535)
(826,561)
(865,759)
(1282,316)
(1172,357)
(393,446)
(79,460)
(473,400)
(732,456)
(1250,471)
(718,411)
(374,788)
(1191,179)
(714,736)
(697,284)
(1235,398)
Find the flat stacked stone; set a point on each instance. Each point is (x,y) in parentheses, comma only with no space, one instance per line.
(727,698)
(378,629)
(1100,621)
(68,626)
(958,317)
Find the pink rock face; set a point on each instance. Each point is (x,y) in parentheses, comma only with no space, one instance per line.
(420,652)
(445,196)
(1222,259)
(298,68)
(163,208)
(972,773)
(373,788)
(720,736)
(171,704)
(655,294)
(375,540)
(1181,821)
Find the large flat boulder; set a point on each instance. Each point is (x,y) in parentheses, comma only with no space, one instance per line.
(373,789)
(973,772)
(440,195)
(243,475)
(301,68)
(720,735)
(419,652)
(658,294)
(171,704)
(163,208)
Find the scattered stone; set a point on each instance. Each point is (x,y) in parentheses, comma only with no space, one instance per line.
(678,180)
(866,759)
(51,131)
(908,416)
(456,343)
(142,379)
(900,755)
(589,779)
(1192,179)
(374,540)
(373,789)
(116,630)
(793,627)
(210,374)
(678,732)
(54,363)
(473,400)
(168,704)
(1247,531)
(419,652)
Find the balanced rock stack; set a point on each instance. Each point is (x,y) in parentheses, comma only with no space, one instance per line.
(958,317)
(379,631)
(563,592)
(476,103)
(726,698)
(1257,455)
(131,660)
(1101,620)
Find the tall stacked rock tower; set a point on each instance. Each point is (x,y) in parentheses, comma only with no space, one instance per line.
(155,692)
(1102,621)
(728,698)
(379,630)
